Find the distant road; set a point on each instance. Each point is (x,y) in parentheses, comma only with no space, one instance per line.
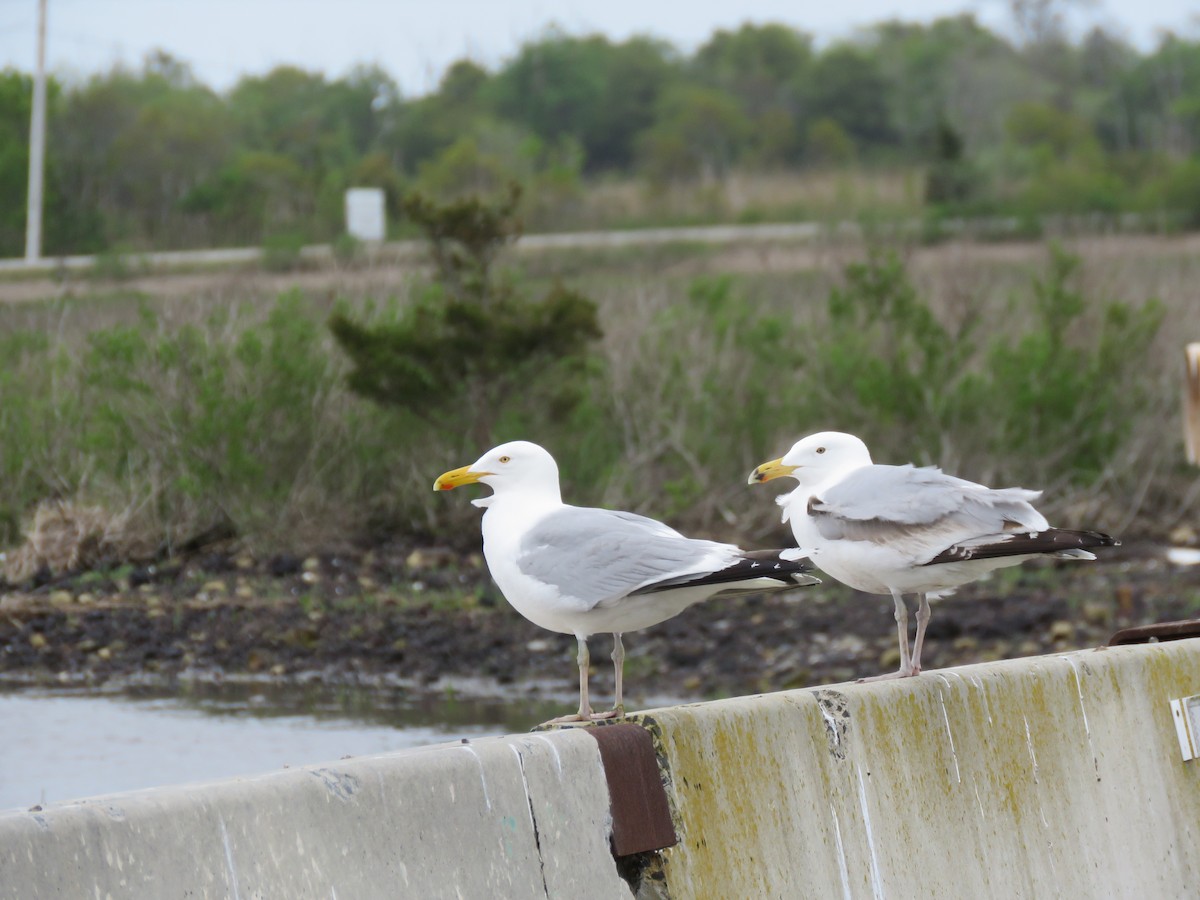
(713,234)
(991,227)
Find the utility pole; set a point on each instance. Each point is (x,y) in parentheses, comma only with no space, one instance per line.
(37,146)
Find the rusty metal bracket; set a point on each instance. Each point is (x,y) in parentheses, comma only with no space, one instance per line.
(641,816)
(1160,631)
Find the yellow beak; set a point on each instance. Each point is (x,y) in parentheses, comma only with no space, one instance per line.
(768,470)
(448,481)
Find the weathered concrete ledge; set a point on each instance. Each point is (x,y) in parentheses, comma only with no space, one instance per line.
(1052,776)
(523,816)
(1056,776)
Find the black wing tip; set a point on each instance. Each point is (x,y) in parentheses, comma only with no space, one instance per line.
(753,565)
(1048,542)
(775,558)
(1085,540)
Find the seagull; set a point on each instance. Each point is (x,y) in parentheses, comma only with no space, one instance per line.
(902,530)
(582,571)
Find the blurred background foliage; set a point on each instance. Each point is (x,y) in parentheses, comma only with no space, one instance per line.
(317,419)
(657,374)
(944,119)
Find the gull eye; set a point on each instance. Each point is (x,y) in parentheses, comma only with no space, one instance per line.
(505,459)
(820,449)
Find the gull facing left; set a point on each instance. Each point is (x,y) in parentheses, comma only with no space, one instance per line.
(902,530)
(582,571)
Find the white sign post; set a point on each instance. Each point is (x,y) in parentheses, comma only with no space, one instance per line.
(365,216)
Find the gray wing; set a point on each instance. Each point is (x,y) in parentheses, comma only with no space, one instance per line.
(599,556)
(921,510)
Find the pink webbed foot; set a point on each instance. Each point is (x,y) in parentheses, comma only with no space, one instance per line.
(564,720)
(616,712)
(902,672)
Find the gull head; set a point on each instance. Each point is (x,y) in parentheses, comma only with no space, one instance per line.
(815,458)
(518,466)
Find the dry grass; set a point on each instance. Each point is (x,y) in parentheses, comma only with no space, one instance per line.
(67,537)
(1145,490)
(661,441)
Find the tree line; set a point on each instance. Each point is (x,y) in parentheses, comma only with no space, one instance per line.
(1038,124)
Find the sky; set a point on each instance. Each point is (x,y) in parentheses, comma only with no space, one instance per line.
(415,40)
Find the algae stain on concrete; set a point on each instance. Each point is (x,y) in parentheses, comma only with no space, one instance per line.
(996,757)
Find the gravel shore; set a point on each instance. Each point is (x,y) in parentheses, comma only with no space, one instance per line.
(421,616)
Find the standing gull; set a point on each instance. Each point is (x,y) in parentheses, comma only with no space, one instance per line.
(901,530)
(582,571)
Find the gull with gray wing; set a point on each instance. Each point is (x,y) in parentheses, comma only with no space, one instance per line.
(901,530)
(583,571)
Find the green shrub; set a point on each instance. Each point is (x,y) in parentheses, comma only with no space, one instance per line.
(1045,391)
(215,427)
(472,345)
(238,419)
(38,407)
(696,398)
(183,417)
(1055,387)
(1066,389)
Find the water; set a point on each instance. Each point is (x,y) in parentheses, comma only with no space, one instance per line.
(66,745)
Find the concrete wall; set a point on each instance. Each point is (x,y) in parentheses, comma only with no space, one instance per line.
(522,816)
(1054,776)
(1058,776)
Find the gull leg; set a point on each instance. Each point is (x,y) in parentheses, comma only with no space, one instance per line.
(584,659)
(618,658)
(906,665)
(923,614)
(585,708)
(902,630)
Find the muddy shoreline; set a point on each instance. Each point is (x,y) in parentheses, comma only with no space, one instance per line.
(418,618)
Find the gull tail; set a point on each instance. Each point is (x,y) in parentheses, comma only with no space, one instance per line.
(1060,543)
(754,572)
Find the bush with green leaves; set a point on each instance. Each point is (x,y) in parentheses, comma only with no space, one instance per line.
(237,420)
(181,416)
(698,397)
(1051,384)
(225,420)
(39,407)
(473,345)
(1045,391)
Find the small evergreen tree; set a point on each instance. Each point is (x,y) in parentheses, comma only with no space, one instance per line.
(472,338)
(951,179)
